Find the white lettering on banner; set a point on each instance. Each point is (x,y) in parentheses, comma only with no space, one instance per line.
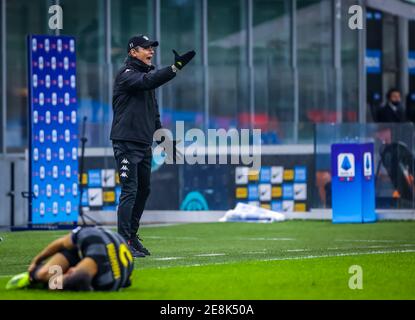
(372,62)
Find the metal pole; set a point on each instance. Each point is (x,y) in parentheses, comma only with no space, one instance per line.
(12,193)
(3,63)
(294,67)
(337,42)
(108,46)
(403,43)
(250,56)
(362,68)
(157,33)
(108,31)
(205,63)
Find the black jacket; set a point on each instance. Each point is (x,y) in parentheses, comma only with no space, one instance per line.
(136,113)
(410,107)
(387,113)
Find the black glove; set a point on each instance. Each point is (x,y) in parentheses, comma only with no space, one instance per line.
(181,61)
(172,154)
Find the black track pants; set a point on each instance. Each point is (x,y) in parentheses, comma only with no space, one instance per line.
(134,167)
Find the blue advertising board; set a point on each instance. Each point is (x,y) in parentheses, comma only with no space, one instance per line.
(53,140)
(353,185)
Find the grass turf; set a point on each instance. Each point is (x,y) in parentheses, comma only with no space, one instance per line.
(290,260)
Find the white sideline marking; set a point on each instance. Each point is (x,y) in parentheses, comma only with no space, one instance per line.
(371,247)
(345,240)
(345,254)
(374,247)
(210,254)
(352,248)
(256,252)
(338,255)
(157,225)
(393,246)
(172,238)
(272,259)
(184,238)
(268,239)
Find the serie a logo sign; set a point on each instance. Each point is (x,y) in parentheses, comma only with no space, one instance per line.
(346,166)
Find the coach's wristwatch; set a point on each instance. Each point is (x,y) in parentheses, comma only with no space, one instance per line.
(174,68)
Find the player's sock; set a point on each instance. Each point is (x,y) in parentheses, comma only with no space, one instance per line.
(35,283)
(33,274)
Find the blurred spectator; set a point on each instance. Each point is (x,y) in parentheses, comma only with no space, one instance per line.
(410,107)
(374,104)
(392,111)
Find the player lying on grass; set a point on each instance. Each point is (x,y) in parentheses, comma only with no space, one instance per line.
(91,258)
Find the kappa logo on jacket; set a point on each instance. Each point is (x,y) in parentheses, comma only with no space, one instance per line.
(125,161)
(124,175)
(124,168)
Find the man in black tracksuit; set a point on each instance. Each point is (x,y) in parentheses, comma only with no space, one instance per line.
(136,118)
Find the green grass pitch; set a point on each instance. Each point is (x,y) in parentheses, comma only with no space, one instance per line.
(288,260)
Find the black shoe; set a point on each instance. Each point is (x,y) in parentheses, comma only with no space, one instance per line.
(135,253)
(138,246)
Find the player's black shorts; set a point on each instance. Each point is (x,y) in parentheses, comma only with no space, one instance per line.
(72,256)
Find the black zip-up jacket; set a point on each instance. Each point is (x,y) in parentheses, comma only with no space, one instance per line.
(136,113)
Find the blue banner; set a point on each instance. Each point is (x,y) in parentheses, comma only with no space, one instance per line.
(373,61)
(53,126)
(411,62)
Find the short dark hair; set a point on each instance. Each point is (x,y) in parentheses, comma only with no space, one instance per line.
(78,281)
(390,91)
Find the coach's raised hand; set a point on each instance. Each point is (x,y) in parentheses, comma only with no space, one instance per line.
(181,60)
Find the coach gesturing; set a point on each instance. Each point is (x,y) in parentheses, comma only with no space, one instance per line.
(136,118)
